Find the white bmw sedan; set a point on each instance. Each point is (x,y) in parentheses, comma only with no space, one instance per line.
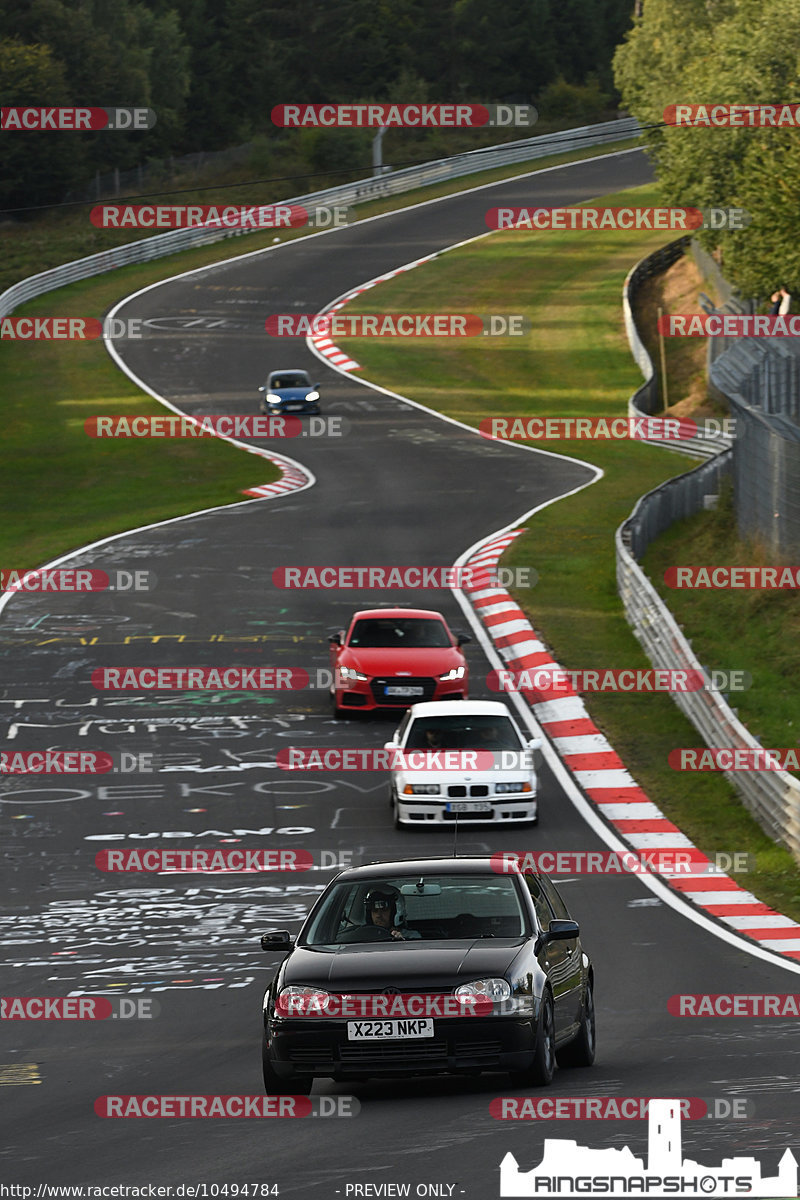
(426,788)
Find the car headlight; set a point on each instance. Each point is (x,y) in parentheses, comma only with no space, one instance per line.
(506,1002)
(492,989)
(503,789)
(422,789)
(273,399)
(295,1000)
(348,673)
(312,396)
(456,673)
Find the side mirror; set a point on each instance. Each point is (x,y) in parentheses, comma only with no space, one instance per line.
(390,745)
(534,743)
(316,386)
(561,931)
(262,388)
(277,939)
(335,638)
(463,638)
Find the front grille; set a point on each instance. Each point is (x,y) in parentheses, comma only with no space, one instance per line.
(460,789)
(378,685)
(314,1057)
(477,1050)
(405,1051)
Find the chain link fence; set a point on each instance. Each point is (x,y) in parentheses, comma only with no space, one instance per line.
(772,797)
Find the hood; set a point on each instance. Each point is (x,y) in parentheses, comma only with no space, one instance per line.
(295,393)
(414,660)
(407,966)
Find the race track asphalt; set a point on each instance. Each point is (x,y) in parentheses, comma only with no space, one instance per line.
(401,487)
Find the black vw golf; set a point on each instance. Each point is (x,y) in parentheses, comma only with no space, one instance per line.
(427,966)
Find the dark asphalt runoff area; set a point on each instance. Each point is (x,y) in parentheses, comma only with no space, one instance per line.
(399,487)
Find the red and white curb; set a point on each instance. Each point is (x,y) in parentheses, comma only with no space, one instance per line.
(603,778)
(325,345)
(293,476)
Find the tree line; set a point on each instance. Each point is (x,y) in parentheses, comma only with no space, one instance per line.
(212,71)
(724,52)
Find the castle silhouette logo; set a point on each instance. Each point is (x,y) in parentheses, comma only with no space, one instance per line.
(568,1169)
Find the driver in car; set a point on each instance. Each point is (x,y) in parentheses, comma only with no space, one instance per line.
(385,909)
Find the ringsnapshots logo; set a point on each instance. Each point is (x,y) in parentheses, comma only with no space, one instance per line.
(75,120)
(584,218)
(567,1169)
(733,116)
(225,425)
(403,116)
(230,216)
(397,325)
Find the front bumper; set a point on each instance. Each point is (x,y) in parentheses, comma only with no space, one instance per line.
(369,694)
(320,1048)
(416,810)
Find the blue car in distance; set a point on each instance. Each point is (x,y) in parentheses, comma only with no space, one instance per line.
(289,391)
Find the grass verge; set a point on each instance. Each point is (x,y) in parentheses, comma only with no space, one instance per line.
(575,362)
(65,490)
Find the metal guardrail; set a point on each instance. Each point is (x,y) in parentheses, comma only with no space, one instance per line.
(391,184)
(773,797)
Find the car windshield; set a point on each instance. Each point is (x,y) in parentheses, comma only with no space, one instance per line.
(454,732)
(396,632)
(290,379)
(427,908)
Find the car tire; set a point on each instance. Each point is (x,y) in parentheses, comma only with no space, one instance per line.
(541,1071)
(275,1086)
(581,1051)
(396,814)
